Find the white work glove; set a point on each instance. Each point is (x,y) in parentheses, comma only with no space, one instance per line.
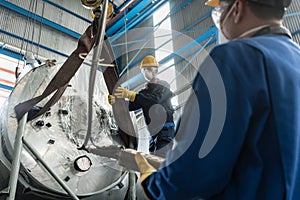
(121,92)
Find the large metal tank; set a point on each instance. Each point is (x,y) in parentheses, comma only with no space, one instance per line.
(56,136)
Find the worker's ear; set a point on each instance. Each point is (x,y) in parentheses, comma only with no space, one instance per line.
(239,10)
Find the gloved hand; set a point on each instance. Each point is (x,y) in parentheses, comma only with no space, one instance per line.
(145,168)
(111,99)
(125,93)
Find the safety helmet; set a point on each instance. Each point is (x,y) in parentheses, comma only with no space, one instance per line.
(149,61)
(213,3)
(284,3)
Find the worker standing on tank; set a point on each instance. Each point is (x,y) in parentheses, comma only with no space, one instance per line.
(155,102)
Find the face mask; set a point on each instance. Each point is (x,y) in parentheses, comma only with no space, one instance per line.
(216,15)
(221,37)
(148,73)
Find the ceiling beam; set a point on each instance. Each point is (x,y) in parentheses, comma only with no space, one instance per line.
(68,11)
(129,16)
(38,18)
(34,43)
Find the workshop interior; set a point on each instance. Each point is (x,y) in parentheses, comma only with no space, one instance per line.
(59,59)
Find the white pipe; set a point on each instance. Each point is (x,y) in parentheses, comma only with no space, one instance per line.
(18,50)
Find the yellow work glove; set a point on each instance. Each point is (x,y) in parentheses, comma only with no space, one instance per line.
(145,168)
(111,99)
(125,93)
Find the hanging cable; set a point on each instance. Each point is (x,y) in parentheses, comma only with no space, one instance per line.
(40,31)
(31,7)
(126,45)
(34,10)
(23,40)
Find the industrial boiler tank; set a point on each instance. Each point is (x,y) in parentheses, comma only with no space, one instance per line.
(57,135)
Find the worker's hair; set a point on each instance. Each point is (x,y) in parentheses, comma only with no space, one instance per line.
(266,12)
(262,11)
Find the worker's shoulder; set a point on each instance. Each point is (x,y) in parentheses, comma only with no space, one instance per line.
(162,82)
(250,47)
(231,47)
(258,44)
(233,51)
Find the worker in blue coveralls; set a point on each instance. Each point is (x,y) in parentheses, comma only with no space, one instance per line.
(155,102)
(246,144)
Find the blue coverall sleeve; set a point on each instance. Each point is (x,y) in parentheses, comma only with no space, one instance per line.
(187,172)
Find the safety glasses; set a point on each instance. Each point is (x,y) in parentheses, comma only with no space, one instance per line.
(150,69)
(218,11)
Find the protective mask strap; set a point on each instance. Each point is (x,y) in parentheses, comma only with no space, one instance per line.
(228,14)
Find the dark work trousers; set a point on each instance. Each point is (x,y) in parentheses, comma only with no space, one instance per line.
(160,140)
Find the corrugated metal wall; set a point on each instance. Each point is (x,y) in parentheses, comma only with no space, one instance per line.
(22,26)
(188,21)
(128,49)
(292,20)
(192,21)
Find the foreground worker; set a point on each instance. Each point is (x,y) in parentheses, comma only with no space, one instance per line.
(155,101)
(257,153)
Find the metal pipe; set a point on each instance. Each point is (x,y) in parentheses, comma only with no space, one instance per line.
(59,181)
(131,181)
(94,68)
(18,51)
(132,186)
(13,179)
(122,11)
(141,18)
(130,15)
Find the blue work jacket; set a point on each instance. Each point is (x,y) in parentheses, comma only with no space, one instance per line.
(239,136)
